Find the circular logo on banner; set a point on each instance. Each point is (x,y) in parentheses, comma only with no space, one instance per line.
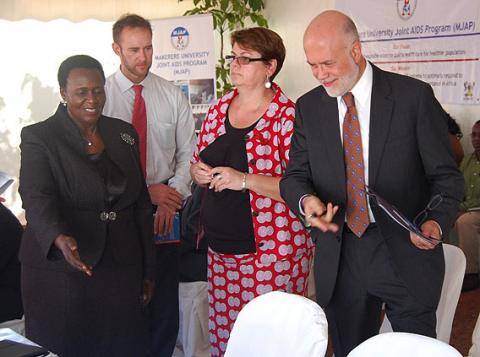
(406,8)
(179,38)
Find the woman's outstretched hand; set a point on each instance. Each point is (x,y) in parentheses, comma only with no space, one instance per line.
(69,248)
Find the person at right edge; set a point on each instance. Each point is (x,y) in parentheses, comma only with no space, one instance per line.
(467,224)
(395,133)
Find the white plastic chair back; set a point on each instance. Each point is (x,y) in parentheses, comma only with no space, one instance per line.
(452,286)
(16,325)
(475,349)
(279,324)
(193,338)
(402,344)
(9,334)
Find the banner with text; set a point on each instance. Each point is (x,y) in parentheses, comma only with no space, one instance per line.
(436,41)
(184,54)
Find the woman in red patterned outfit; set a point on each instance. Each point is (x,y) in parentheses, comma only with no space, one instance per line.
(256,244)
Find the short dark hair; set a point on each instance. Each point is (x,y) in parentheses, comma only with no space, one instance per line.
(129,20)
(265,41)
(77,61)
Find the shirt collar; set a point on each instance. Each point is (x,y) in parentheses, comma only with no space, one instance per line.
(363,88)
(125,84)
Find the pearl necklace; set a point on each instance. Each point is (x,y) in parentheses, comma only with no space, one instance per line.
(89,142)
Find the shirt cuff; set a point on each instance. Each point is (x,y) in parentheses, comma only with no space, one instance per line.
(300,203)
(439,228)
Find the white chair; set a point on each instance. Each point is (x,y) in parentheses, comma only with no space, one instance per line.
(475,349)
(193,337)
(16,325)
(279,324)
(402,344)
(452,286)
(10,334)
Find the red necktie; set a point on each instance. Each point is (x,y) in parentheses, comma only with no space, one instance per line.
(357,212)
(139,121)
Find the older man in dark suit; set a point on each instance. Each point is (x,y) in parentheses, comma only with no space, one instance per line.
(363,126)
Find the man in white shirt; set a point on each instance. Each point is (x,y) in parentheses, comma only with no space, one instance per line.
(170,138)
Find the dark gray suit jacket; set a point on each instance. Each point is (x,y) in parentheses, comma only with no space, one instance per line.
(62,192)
(409,161)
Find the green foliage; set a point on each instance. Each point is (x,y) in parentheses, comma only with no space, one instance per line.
(228,16)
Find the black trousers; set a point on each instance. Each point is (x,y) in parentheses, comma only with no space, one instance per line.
(366,279)
(163,309)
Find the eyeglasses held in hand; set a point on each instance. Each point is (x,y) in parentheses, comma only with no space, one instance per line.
(242,60)
(403,221)
(423,214)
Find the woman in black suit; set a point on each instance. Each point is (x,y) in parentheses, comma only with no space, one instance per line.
(87,254)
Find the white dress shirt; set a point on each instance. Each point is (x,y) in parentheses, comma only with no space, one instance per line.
(362,93)
(170,126)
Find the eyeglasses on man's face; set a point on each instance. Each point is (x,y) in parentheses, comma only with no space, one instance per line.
(242,60)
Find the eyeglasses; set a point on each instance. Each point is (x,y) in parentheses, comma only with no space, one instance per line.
(402,220)
(242,60)
(432,204)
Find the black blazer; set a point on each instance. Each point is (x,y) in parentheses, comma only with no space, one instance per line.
(62,192)
(410,160)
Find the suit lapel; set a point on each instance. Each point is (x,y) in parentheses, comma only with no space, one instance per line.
(122,154)
(380,118)
(69,131)
(73,143)
(330,130)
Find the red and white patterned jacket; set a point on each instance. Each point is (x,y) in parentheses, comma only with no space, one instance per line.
(279,235)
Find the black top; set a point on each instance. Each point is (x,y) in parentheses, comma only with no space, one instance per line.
(226,215)
(115,184)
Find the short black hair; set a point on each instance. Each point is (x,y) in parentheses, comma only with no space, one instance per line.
(77,61)
(129,20)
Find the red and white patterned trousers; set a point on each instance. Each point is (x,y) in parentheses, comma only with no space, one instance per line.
(234,280)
